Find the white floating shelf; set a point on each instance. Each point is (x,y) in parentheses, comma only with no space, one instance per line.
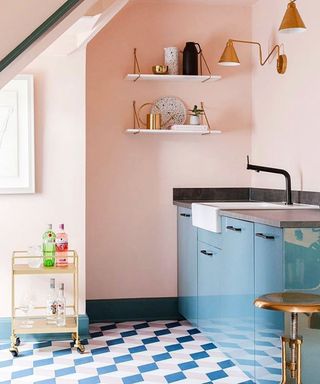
(171,132)
(183,78)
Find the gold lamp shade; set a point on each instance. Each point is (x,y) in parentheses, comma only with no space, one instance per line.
(292,21)
(229,57)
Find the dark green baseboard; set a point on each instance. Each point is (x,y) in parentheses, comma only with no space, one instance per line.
(5,331)
(150,309)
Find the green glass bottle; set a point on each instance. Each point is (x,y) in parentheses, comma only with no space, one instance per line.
(49,247)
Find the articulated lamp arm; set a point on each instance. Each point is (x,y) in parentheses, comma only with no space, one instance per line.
(281,59)
(276,47)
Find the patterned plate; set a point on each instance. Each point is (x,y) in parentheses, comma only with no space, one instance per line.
(172,109)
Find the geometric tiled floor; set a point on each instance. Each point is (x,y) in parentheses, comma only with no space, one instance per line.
(125,353)
(237,340)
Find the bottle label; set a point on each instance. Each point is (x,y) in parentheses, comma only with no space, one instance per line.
(62,262)
(62,247)
(52,309)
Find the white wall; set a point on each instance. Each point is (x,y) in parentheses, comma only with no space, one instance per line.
(60,171)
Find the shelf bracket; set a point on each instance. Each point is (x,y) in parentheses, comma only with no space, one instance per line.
(136,65)
(135,117)
(203,60)
(206,118)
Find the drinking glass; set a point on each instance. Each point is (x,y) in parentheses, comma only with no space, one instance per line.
(26,305)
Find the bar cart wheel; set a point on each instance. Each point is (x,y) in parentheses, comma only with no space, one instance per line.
(80,348)
(15,341)
(14,351)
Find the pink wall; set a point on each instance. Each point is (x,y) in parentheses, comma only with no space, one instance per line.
(131,223)
(285,108)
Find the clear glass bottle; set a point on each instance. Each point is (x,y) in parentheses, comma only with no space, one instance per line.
(49,247)
(61,304)
(52,303)
(61,247)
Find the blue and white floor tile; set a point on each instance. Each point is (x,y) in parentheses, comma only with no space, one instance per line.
(236,342)
(124,353)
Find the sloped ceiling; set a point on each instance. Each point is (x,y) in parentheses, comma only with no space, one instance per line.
(81,31)
(84,29)
(19,18)
(213,2)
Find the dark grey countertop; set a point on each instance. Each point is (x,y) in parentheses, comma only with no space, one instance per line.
(284,218)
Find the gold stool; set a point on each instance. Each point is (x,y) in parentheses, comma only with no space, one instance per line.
(294,303)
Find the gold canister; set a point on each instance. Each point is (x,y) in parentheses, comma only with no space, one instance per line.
(153,121)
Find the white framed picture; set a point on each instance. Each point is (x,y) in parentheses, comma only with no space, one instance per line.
(17,168)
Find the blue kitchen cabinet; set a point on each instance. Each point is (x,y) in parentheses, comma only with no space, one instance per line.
(269,325)
(209,288)
(237,284)
(237,293)
(220,275)
(187,266)
(302,273)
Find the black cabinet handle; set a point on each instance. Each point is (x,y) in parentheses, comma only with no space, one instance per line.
(232,228)
(185,215)
(204,252)
(263,236)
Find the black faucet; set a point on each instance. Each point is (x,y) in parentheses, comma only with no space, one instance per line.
(283,172)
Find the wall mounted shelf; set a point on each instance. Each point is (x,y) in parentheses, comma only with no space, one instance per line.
(173,78)
(171,132)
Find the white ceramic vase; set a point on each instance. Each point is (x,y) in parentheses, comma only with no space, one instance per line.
(194,120)
(171,59)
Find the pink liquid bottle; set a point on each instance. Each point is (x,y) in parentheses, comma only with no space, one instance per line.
(61,247)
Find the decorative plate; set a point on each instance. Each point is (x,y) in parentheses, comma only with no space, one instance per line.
(172,110)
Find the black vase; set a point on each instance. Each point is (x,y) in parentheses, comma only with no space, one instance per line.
(190,59)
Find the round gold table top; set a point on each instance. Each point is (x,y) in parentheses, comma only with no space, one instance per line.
(297,302)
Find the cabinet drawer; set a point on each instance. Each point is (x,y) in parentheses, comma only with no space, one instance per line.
(211,238)
(239,228)
(184,212)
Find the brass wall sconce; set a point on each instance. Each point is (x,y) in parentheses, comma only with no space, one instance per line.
(292,21)
(230,58)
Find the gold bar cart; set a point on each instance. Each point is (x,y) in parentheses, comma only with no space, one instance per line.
(20,266)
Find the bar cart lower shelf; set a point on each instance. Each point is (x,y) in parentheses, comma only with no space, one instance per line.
(23,325)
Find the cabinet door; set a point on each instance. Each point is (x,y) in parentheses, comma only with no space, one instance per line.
(269,325)
(302,273)
(187,266)
(238,282)
(237,287)
(209,293)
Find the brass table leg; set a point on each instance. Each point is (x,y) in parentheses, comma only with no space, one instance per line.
(299,342)
(294,342)
(284,360)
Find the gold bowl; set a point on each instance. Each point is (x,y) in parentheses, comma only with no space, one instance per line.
(160,69)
